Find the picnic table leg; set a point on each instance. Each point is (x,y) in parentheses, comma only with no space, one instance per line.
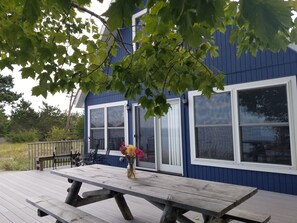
(180,217)
(210,219)
(169,214)
(122,204)
(72,195)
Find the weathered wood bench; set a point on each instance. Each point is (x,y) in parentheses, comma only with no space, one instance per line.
(61,211)
(60,158)
(237,213)
(40,161)
(243,215)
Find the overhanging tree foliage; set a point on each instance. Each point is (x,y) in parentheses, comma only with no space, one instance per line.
(52,44)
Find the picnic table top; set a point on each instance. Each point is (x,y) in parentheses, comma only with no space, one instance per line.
(206,197)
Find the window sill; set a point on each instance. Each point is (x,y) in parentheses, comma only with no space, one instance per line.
(260,167)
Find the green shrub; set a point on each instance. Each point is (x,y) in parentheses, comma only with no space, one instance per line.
(22,136)
(56,134)
(79,127)
(13,156)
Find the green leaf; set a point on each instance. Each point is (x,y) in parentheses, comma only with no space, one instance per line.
(266,17)
(31,10)
(293,35)
(66,4)
(119,13)
(28,72)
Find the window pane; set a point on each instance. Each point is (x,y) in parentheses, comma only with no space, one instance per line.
(145,139)
(115,138)
(264,105)
(214,143)
(266,144)
(115,116)
(95,136)
(213,127)
(97,118)
(216,110)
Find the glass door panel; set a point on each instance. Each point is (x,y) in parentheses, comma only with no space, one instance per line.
(145,138)
(170,140)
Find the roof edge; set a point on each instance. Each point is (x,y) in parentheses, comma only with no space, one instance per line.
(293,47)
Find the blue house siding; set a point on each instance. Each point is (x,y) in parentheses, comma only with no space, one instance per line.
(264,66)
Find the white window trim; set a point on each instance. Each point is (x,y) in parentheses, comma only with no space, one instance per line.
(134,17)
(290,83)
(126,127)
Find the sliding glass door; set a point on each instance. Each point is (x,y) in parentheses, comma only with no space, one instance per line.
(160,139)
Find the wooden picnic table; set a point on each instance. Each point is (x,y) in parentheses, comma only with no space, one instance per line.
(174,194)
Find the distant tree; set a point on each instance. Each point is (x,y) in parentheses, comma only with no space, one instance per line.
(49,117)
(4,122)
(23,117)
(69,116)
(79,127)
(56,134)
(6,93)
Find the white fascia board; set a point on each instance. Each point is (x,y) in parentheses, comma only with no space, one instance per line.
(293,47)
(79,100)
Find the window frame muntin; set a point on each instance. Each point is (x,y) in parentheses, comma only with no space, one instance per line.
(126,127)
(290,83)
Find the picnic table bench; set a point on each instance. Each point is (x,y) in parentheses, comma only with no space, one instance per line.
(217,202)
(57,158)
(61,211)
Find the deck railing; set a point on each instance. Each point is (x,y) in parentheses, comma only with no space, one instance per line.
(47,148)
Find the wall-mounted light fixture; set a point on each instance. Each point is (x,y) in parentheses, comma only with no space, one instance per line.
(184,100)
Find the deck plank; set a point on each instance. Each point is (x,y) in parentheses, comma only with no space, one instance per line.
(15,187)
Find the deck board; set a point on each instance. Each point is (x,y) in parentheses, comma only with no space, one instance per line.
(15,187)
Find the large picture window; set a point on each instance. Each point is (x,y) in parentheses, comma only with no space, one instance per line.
(250,124)
(108,122)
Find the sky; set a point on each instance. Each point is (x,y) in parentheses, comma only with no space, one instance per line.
(24,86)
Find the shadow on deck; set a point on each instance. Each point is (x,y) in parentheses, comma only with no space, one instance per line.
(15,187)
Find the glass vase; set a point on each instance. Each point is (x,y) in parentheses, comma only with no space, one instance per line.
(131,172)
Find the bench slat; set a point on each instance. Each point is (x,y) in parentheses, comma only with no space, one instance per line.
(246,216)
(61,211)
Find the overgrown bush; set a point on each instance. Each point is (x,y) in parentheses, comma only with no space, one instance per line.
(22,136)
(79,127)
(56,134)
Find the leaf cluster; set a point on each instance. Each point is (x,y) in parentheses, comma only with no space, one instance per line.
(54,45)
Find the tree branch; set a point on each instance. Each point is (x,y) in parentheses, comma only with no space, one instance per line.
(74,5)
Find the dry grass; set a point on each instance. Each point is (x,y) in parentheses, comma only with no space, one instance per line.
(13,156)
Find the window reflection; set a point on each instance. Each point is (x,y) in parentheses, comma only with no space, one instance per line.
(115,116)
(265,105)
(264,127)
(213,127)
(108,121)
(97,117)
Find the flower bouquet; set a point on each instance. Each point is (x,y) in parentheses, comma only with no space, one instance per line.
(131,153)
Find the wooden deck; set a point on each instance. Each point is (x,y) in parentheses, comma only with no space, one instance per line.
(15,187)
